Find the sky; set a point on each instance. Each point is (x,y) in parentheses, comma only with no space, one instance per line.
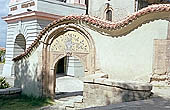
(3,25)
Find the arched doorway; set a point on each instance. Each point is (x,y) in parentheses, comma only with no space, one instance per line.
(69,71)
(19,45)
(68,42)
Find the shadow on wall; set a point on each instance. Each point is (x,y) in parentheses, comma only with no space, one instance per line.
(131,94)
(26,78)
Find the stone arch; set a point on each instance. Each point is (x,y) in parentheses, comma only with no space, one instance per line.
(64,41)
(19,45)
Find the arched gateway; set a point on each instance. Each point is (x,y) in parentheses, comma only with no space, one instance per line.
(123,50)
(62,42)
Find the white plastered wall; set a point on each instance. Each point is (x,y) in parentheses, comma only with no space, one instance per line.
(27,73)
(129,57)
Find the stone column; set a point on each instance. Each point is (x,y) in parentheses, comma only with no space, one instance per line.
(161,64)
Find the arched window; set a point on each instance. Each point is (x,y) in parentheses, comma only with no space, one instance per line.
(109,15)
(19,45)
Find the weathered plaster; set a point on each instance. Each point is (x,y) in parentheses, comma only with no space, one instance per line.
(129,57)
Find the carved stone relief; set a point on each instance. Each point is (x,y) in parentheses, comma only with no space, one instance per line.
(70,42)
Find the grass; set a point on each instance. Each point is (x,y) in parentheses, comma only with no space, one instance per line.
(23,102)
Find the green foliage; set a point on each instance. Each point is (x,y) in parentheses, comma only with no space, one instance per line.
(24,102)
(2,54)
(3,83)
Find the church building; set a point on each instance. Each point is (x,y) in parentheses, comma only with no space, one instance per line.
(126,39)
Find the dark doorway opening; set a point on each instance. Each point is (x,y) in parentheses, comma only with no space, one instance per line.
(69,72)
(61,66)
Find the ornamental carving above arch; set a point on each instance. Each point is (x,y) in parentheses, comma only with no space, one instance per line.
(61,42)
(69,42)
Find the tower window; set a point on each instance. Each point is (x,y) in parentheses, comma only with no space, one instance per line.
(109,15)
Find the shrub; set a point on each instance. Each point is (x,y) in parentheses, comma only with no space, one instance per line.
(2,55)
(3,83)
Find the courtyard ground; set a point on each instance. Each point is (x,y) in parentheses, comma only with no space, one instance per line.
(23,103)
(69,90)
(155,103)
(159,101)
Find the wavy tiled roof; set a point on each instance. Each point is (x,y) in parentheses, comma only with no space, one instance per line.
(116,29)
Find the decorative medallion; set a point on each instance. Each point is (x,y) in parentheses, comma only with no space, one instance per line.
(70,41)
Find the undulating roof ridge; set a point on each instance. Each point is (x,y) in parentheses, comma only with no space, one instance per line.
(106,26)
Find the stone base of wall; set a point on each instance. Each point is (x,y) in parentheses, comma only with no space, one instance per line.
(160,80)
(10,92)
(102,91)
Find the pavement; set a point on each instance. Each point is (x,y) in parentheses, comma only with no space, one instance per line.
(68,84)
(155,103)
(69,90)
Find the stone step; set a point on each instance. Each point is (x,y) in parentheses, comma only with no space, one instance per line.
(69,102)
(79,105)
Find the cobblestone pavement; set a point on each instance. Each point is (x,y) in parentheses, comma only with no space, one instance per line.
(156,103)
